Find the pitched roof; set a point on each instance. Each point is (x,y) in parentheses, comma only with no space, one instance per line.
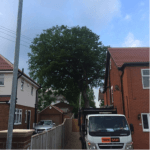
(129,54)
(6,65)
(53,107)
(57,109)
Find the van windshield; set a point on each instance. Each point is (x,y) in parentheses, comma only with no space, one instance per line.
(108,125)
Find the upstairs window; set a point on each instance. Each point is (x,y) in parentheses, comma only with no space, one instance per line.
(145,78)
(1,79)
(22,83)
(146,122)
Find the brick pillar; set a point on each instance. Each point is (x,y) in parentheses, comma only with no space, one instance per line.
(21,138)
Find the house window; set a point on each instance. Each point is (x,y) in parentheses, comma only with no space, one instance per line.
(18,116)
(145,78)
(32,90)
(26,116)
(22,83)
(1,79)
(145,121)
(112,100)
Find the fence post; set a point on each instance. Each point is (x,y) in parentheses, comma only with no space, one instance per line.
(46,139)
(55,138)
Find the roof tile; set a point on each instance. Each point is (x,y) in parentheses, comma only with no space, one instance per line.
(58,109)
(127,55)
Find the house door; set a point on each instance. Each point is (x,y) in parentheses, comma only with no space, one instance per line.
(28,119)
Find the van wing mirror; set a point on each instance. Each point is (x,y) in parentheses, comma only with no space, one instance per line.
(131,128)
(84,129)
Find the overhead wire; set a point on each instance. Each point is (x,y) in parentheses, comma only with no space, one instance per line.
(14,37)
(13,32)
(13,41)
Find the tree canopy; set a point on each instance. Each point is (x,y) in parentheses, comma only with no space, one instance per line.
(68,59)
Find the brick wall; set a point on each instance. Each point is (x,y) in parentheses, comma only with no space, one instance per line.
(24,125)
(136,100)
(115,75)
(51,114)
(4,116)
(4,113)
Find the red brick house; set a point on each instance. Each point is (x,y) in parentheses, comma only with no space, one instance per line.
(126,87)
(27,90)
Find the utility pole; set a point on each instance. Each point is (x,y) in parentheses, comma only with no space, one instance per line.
(14,82)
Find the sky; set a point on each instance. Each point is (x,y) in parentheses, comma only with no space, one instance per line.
(119,23)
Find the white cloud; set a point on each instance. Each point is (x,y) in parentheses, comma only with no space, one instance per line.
(130,41)
(127,17)
(96,13)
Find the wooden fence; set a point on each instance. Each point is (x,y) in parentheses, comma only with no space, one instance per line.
(55,138)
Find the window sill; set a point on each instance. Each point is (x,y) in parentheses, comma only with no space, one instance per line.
(17,123)
(2,85)
(146,130)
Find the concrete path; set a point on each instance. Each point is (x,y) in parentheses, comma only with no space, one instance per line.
(74,142)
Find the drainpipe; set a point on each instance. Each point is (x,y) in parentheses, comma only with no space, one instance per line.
(16,90)
(122,91)
(36,100)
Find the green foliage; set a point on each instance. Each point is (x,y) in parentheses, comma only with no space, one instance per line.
(68,58)
(44,100)
(102,103)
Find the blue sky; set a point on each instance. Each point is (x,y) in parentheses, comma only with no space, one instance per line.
(120,23)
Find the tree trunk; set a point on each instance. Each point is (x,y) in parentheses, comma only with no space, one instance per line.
(85,97)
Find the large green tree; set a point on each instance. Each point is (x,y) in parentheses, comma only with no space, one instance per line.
(63,57)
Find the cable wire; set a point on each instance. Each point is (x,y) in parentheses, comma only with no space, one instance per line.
(13,41)
(14,37)
(14,32)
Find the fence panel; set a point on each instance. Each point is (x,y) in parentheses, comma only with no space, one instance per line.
(55,138)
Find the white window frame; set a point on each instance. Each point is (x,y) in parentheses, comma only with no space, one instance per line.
(22,84)
(145,76)
(2,77)
(112,94)
(148,118)
(26,112)
(16,114)
(31,90)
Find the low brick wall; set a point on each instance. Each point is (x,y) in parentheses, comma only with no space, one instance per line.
(21,138)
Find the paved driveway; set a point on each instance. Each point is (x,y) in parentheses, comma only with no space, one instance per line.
(74,142)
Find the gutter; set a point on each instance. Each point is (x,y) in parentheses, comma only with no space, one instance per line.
(122,69)
(36,101)
(122,91)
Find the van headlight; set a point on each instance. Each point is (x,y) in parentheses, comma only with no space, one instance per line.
(129,145)
(92,145)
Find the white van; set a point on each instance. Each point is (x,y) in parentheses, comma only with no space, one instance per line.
(107,131)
